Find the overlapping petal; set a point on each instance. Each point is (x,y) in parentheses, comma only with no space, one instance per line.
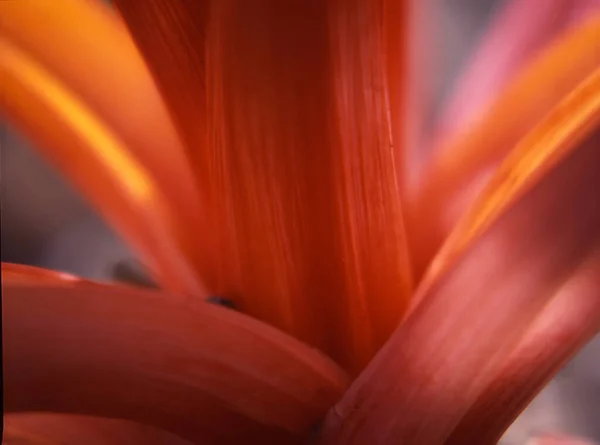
(284,109)
(464,164)
(202,372)
(519,31)
(85,45)
(501,311)
(61,429)
(100,164)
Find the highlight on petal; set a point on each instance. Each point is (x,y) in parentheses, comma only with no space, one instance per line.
(85,45)
(63,429)
(284,108)
(499,316)
(30,275)
(519,32)
(545,146)
(207,374)
(100,165)
(407,29)
(461,167)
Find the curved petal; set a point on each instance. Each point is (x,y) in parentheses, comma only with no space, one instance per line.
(85,45)
(100,165)
(286,112)
(503,312)
(30,275)
(55,429)
(463,166)
(202,372)
(518,33)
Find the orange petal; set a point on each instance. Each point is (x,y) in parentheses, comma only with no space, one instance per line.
(505,310)
(100,165)
(85,45)
(518,33)
(461,167)
(570,318)
(202,372)
(30,275)
(61,429)
(285,108)
(407,28)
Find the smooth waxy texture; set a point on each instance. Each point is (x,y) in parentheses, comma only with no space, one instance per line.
(519,31)
(19,273)
(85,45)
(294,159)
(500,318)
(100,164)
(61,429)
(139,355)
(294,117)
(462,166)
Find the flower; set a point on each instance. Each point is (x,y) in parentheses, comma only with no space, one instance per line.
(419,283)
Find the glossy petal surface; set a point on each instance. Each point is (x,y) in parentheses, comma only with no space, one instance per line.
(463,165)
(85,45)
(100,164)
(61,429)
(284,108)
(519,31)
(202,372)
(30,275)
(501,312)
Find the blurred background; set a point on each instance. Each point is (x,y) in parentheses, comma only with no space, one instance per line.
(44,222)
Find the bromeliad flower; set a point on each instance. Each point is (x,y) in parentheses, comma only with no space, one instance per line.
(275,153)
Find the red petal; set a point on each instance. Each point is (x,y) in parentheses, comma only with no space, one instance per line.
(462,167)
(202,372)
(55,429)
(284,108)
(29,275)
(512,296)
